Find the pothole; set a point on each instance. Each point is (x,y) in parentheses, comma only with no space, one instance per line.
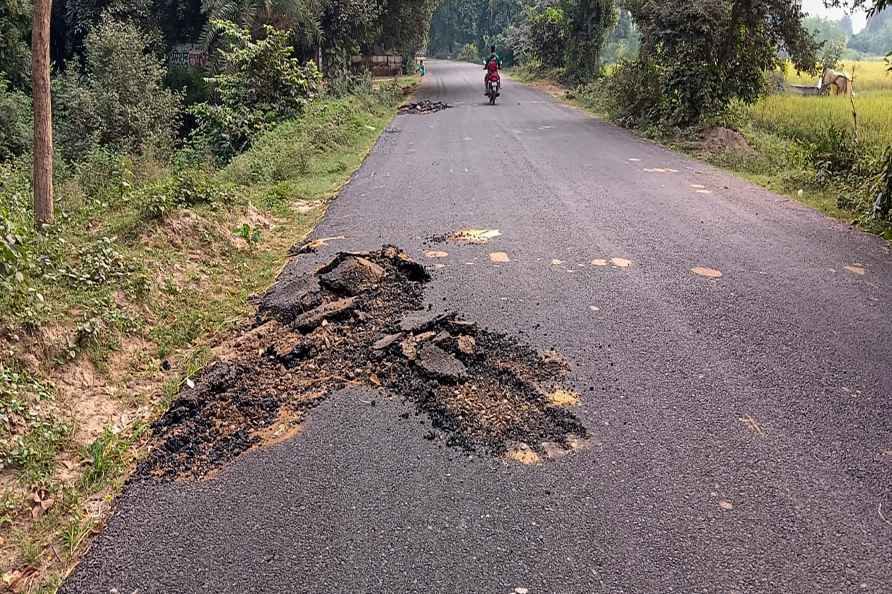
(468,236)
(360,320)
(422,107)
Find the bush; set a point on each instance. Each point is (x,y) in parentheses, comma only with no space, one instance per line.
(261,84)
(19,256)
(469,53)
(15,256)
(880,187)
(15,121)
(104,175)
(633,93)
(836,154)
(547,35)
(120,100)
(184,189)
(341,82)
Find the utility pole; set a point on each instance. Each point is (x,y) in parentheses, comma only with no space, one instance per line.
(42,168)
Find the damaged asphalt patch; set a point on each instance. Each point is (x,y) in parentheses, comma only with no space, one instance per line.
(360,320)
(423,107)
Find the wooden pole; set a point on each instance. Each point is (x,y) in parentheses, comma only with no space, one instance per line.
(42,172)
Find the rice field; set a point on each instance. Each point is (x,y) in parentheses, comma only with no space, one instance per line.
(869,75)
(805,118)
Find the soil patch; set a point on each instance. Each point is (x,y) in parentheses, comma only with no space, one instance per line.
(360,320)
(718,139)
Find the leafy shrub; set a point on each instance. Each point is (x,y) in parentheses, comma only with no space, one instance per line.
(342,82)
(880,187)
(99,263)
(260,84)
(469,53)
(632,93)
(16,252)
(547,35)
(76,122)
(190,82)
(120,100)
(15,121)
(15,255)
(184,189)
(835,154)
(103,174)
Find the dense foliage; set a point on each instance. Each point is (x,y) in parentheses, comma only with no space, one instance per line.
(565,34)
(119,100)
(699,56)
(260,84)
(15,28)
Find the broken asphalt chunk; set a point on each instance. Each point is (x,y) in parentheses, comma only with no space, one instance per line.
(386,341)
(418,322)
(350,275)
(310,320)
(440,364)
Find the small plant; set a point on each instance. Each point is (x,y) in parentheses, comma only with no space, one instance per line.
(11,503)
(30,548)
(834,154)
(34,453)
(99,263)
(106,457)
(185,189)
(15,252)
(250,234)
(75,531)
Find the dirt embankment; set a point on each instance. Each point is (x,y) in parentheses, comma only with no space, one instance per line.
(360,320)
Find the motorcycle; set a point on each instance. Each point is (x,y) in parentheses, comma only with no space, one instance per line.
(493,82)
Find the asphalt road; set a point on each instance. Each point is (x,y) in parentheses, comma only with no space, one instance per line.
(741,426)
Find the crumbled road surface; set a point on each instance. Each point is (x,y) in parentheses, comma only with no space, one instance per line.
(732,351)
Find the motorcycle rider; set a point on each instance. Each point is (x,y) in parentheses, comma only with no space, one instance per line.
(492,56)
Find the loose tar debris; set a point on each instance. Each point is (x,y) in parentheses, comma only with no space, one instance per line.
(423,107)
(360,320)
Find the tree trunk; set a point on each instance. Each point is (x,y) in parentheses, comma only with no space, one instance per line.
(42,172)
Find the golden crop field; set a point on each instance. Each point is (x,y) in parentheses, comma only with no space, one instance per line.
(870,75)
(804,118)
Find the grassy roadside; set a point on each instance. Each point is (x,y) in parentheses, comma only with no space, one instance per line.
(777,159)
(149,266)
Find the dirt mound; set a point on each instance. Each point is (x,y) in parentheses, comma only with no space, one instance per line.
(360,320)
(718,139)
(423,106)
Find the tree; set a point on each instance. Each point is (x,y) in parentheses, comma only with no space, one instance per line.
(348,27)
(588,23)
(42,172)
(698,56)
(15,58)
(300,17)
